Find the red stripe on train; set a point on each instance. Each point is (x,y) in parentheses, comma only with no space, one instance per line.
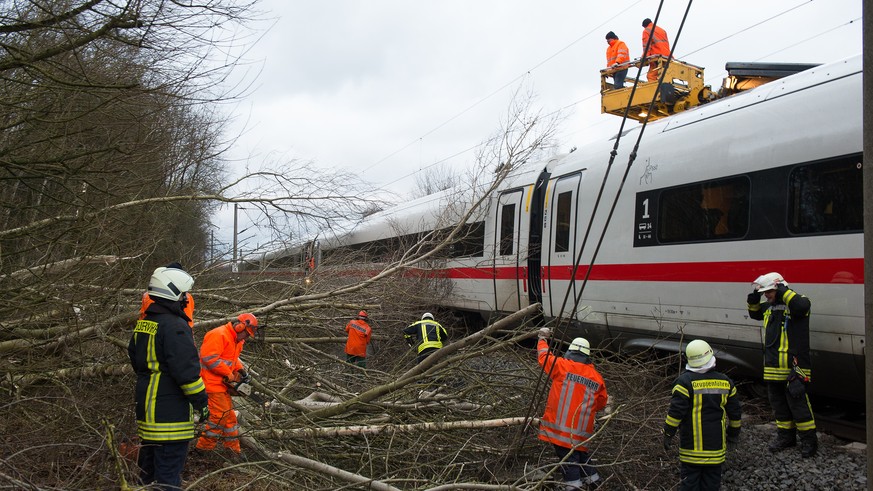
(848,270)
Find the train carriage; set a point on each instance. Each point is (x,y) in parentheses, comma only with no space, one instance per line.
(765,180)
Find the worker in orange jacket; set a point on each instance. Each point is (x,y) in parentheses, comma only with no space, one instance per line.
(660,46)
(616,54)
(359,332)
(219,363)
(577,393)
(187,301)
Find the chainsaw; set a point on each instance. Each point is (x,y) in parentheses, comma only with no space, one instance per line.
(242,388)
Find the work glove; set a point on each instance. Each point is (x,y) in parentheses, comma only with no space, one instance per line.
(796,387)
(244,376)
(233,377)
(780,292)
(204,414)
(544,333)
(733,437)
(668,442)
(753,298)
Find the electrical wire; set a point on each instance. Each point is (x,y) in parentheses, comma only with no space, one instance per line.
(591,96)
(501,88)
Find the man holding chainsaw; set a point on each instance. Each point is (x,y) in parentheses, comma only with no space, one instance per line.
(223,374)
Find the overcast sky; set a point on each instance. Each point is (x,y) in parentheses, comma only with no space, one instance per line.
(385,88)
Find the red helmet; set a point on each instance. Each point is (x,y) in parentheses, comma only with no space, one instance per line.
(362,314)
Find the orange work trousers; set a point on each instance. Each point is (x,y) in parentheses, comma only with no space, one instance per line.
(653,73)
(222,424)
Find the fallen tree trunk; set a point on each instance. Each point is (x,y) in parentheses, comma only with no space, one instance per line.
(359,430)
(68,373)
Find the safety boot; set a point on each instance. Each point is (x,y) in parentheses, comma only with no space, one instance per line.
(784,439)
(808,444)
(576,485)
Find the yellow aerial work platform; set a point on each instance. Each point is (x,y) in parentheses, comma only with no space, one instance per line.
(682,89)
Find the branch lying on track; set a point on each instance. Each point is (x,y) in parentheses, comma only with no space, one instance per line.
(359,430)
(317,466)
(422,368)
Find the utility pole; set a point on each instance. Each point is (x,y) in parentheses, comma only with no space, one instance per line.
(867,176)
(234,268)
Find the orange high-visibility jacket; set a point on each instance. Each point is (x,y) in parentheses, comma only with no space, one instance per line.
(660,42)
(219,357)
(189,307)
(617,53)
(577,393)
(359,337)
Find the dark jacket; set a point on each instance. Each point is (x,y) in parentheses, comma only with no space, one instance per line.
(167,367)
(425,334)
(786,335)
(699,405)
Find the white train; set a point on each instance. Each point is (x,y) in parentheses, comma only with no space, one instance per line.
(765,180)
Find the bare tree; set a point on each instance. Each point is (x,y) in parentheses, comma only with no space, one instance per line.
(437,177)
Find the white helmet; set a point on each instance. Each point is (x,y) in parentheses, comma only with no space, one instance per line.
(767,282)
(698,353)
(580,344)
(170,283)
(427,315)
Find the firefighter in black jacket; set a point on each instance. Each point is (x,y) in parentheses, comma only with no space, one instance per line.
(702,399)
(787,364)
(168,381)
(425,336)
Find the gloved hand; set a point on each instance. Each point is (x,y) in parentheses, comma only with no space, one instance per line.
(544,333)
(668,442)
(204,414)
(733,436)
(753,298)
(233,377)
(780,292)
(244,376)
(796,387)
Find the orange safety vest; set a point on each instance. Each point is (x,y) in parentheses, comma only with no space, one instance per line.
(219,357)
(359,337)
(616,52)
(660,42)
(189,307)
(577,393)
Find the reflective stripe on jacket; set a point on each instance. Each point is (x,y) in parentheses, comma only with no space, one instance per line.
(425,334)
(660,42)
(359,336)
(700,405)
(168,383)
(617,53)
(577,393)
(785,335)
(219,357)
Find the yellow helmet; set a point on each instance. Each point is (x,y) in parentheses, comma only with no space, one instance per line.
(698,353)
(581,345)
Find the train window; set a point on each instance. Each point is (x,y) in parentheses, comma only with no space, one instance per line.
(507,229)
(711,210)
(562,222)
(826,197)
(471,241)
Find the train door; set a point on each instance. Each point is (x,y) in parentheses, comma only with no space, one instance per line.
(510,252)
(559,244)
(536,200)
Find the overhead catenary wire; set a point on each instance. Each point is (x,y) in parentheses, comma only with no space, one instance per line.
(542,386)
(538,392)
(502,87)
(588,97)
